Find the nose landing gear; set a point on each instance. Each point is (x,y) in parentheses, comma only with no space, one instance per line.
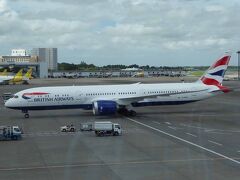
(25,111)
(26,115)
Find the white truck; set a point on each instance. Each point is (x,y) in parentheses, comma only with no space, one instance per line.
(107,128)
(86,126)
(10,133)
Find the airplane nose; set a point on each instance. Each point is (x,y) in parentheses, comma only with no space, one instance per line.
(8,103)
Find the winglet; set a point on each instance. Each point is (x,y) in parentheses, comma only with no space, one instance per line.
(4,73)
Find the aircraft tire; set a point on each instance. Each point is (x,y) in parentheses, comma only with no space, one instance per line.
(123,111)
(132,113)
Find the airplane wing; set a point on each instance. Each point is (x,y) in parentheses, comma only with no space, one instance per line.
(131,99)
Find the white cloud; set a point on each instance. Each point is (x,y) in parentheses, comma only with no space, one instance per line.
(121,30)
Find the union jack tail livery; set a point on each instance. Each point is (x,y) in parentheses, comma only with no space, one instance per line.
(215,74)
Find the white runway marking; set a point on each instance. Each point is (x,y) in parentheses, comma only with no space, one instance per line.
(215,132)
(193,135)
(188,142)
(215,143)
(171,127)
(123,163)
(197,127)
(211,130)
(156,122)
(168,123)
(199,115)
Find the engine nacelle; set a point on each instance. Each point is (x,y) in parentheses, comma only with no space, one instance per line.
(105,107)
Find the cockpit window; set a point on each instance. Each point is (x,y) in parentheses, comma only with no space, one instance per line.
(15,96)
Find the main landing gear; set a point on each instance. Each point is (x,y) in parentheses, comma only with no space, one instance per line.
(26,115)
(126,112)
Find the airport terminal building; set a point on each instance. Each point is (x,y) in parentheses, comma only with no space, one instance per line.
(41,60)
(48,55)
(11,60)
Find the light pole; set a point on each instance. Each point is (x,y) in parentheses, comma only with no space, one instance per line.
(238,52)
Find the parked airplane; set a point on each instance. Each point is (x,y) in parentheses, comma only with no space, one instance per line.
(17,78)
(4,73)
(29,74)
(131,69)
(8,79)
(109,99)
(139,74)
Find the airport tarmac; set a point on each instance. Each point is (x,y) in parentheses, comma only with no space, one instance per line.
(193,141)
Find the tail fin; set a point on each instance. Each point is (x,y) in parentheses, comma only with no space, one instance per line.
(215,74)
(29,74)
(19,73)
(4,73)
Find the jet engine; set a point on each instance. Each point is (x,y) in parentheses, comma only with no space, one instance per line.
(105,107)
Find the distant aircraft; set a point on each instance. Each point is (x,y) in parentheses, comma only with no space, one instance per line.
(8,79)
(138,74)
(17,78)
(108,74)
(110,99)
(29,74)
(4,73)
(131,69)
(230,77)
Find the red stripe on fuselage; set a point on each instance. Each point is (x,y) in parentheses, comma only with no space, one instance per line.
(223,61)
(35,93)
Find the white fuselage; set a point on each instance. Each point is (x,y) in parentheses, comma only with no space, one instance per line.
(127,95)
(6,78)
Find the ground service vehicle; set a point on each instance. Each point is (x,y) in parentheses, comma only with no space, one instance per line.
(10,133)
(86,126)
(68,128)
(107,128)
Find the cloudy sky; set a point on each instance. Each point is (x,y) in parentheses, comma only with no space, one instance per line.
(154,32)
